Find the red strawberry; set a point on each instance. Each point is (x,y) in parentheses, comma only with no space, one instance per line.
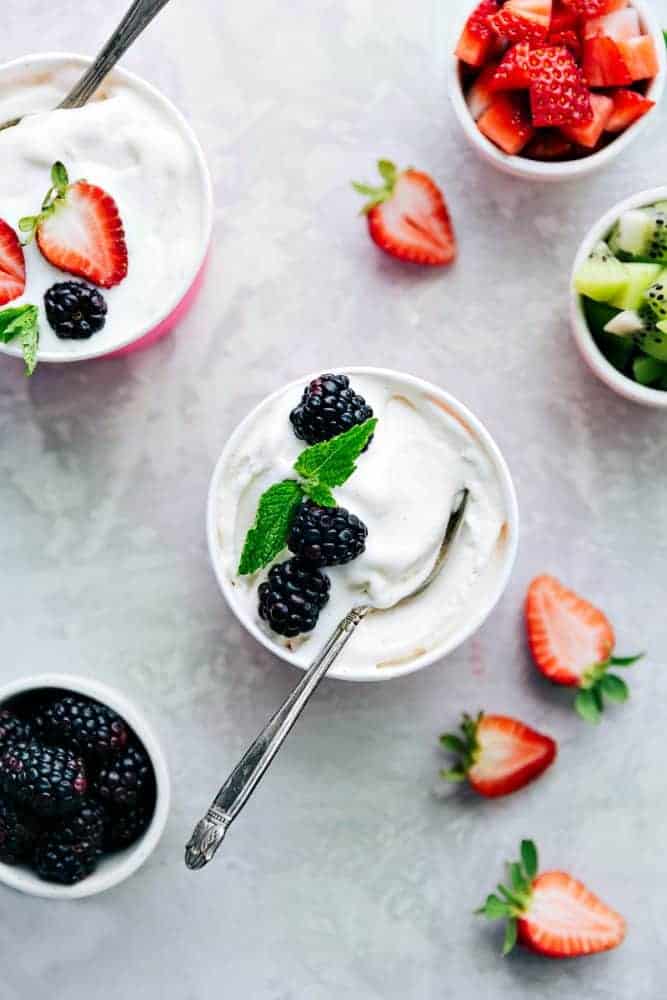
(640,57)
(506,122)
(477,39)
(408,217)
(12,265)
(589,135)
(548,145)
(512,72)
(628,107)
(603,64)
(480,94)
(552,914)
(498,755)
(567,38)
(572,643)
(523,20)
(558,94)
(563,18)
(79,230)
(620,26)
(594,8)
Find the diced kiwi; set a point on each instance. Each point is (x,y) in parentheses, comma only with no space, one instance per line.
(641,235)
(652,339)
(648,371)
(601,277)
(656,294)
(639,278)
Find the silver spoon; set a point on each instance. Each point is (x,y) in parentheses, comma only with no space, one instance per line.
(140,14)
(239,786)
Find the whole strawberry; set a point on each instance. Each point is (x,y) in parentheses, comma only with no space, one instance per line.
(498,755)
(572,643)
(552,914)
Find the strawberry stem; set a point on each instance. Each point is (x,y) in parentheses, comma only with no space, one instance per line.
(465,746)
(378,195)
(597,684)
(510,904)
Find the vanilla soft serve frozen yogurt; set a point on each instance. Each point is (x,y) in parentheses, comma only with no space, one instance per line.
(132,143)
(426,448)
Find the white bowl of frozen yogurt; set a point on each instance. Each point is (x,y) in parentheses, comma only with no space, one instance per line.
(426,447)
(134,144)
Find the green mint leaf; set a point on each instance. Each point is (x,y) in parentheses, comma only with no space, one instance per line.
(586,705)
(321,495)
(626,661)
(455,774)
(529,859)
(511,934)
(614,688)
(268,535)
(331,463)
(453,743)
(22,322)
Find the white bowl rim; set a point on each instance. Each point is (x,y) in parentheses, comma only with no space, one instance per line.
(509,499)
(535,170)
(594,357)
(116,867)
(179,292)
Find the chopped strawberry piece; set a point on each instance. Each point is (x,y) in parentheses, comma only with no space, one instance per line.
(640,57)
(603,64)
(477,39)
(12,265)
(558,94)
(564,919)
(567,38)
(589,135)
(620,26)
(480,94)
(523,20)
(628,107)
(548,145)
(506,122)
(595,8)
(563,18)
(512,72)
(499,755)
(408,218)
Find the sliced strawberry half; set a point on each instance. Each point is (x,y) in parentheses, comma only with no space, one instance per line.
(589,135)
(408,218)
(512,72)
(498,755)
(552,914)
(603,64)
(477,38)
(572,643)
(628,107)
(558,93)
(12,265)
(79,230)
(506,122)
(641,58)
(523,20)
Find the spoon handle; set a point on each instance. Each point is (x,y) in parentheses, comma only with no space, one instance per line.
(239,786)
(140,14)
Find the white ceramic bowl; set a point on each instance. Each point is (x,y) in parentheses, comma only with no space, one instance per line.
(172,307)
(535,170)
(112,868)
(596,360)
(480,614)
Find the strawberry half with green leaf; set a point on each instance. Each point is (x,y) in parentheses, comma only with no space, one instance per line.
(572,643)
(552,914)
(408,218)
(79,230)
(498,755)
(12,265)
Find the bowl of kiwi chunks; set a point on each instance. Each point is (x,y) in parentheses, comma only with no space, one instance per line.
(618,304)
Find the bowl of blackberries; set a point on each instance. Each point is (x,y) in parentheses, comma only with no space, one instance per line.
(84,787)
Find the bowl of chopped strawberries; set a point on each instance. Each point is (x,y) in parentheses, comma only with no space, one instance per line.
(550,90)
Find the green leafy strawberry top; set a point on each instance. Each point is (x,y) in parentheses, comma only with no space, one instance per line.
(512,902)
(598,684)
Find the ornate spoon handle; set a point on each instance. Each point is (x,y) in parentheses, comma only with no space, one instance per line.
(140,14)
(239,786)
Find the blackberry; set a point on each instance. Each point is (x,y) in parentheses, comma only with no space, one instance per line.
(128,780)
(60,863)
(84,726)
(328,407)
(49,781)
(75,311)
(82,833)
(293,596)
(18,834)
(124,828)
(326,536)
(13,729)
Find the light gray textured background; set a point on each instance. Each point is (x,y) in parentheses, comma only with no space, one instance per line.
(350,874)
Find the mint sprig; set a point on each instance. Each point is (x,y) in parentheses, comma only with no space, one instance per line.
(512,903)
(598,684)
(320,468)
(22,323)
